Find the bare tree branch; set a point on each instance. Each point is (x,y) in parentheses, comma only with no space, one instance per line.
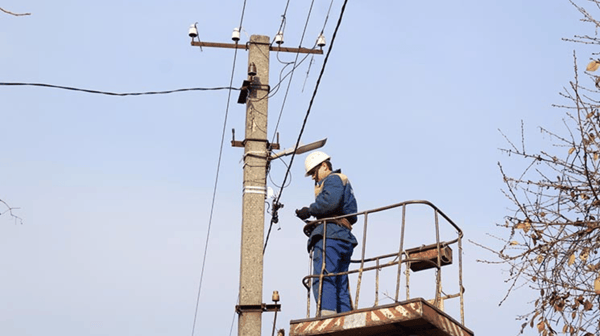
(9,210)
(552,242)
(11,13)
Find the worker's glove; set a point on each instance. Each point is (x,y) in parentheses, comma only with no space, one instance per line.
(303,213)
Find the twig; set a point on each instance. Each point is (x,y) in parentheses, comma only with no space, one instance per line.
(10,211)
(15,14)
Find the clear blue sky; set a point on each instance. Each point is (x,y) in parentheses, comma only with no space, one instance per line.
(115,192)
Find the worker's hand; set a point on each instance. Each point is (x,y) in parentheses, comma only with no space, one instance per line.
(303,213)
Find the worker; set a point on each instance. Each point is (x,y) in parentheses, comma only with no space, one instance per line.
(333,197)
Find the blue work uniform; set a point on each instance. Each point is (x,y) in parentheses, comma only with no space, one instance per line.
(333,197)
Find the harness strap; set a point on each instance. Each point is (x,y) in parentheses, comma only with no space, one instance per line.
(343,222)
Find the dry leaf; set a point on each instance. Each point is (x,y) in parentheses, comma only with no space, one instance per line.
(559,307)
(596,156)
(540,258)
(597,285)
(587,305)
(593,66)
(571,259)
(565,328)
(514,242)
(541,326)
(571,150)
(523,226)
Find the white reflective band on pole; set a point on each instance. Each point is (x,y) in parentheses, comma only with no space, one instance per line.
(255,190)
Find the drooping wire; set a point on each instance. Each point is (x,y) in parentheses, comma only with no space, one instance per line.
(215,188)
(274,89)
(313,56)
(337,27)
(292,72)
(116,93)
(277,86)
(275,184)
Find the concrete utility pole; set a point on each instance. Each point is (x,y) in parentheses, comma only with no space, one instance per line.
(255,172)
(256,157)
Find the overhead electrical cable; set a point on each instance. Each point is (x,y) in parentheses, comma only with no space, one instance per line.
(242,16)
(216,181)
(277,86)
(212,206)
(308,113)
(313,56)
(282,25)
(117,93)
(292,71)
(217,178)
(327,17)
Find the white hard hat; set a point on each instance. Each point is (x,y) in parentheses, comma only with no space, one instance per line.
(313,160)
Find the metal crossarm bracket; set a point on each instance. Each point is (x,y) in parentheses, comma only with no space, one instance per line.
(242,144)
(272,307)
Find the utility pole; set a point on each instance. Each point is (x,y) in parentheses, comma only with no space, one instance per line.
(255,170)
(257,149)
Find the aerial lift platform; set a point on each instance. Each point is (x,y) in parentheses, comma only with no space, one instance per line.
(404,316)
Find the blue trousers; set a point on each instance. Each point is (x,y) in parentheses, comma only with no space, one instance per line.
(335,288)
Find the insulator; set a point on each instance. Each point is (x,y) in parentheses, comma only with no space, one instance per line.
(279,38)
(321,41)
(275,297)
(236,34)
(193,32)
(252,69)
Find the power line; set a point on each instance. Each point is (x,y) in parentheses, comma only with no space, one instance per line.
(307,114)
(216,183)
(117,93)
(282,25)
(293,69)
(212,206)
(313,56)
(217,178)
(327,17)
(242,16)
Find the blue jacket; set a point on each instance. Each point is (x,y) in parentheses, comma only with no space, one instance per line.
(333,197)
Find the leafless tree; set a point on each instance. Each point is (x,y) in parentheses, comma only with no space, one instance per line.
(553,229)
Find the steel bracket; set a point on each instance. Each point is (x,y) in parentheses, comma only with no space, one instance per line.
(264,307)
